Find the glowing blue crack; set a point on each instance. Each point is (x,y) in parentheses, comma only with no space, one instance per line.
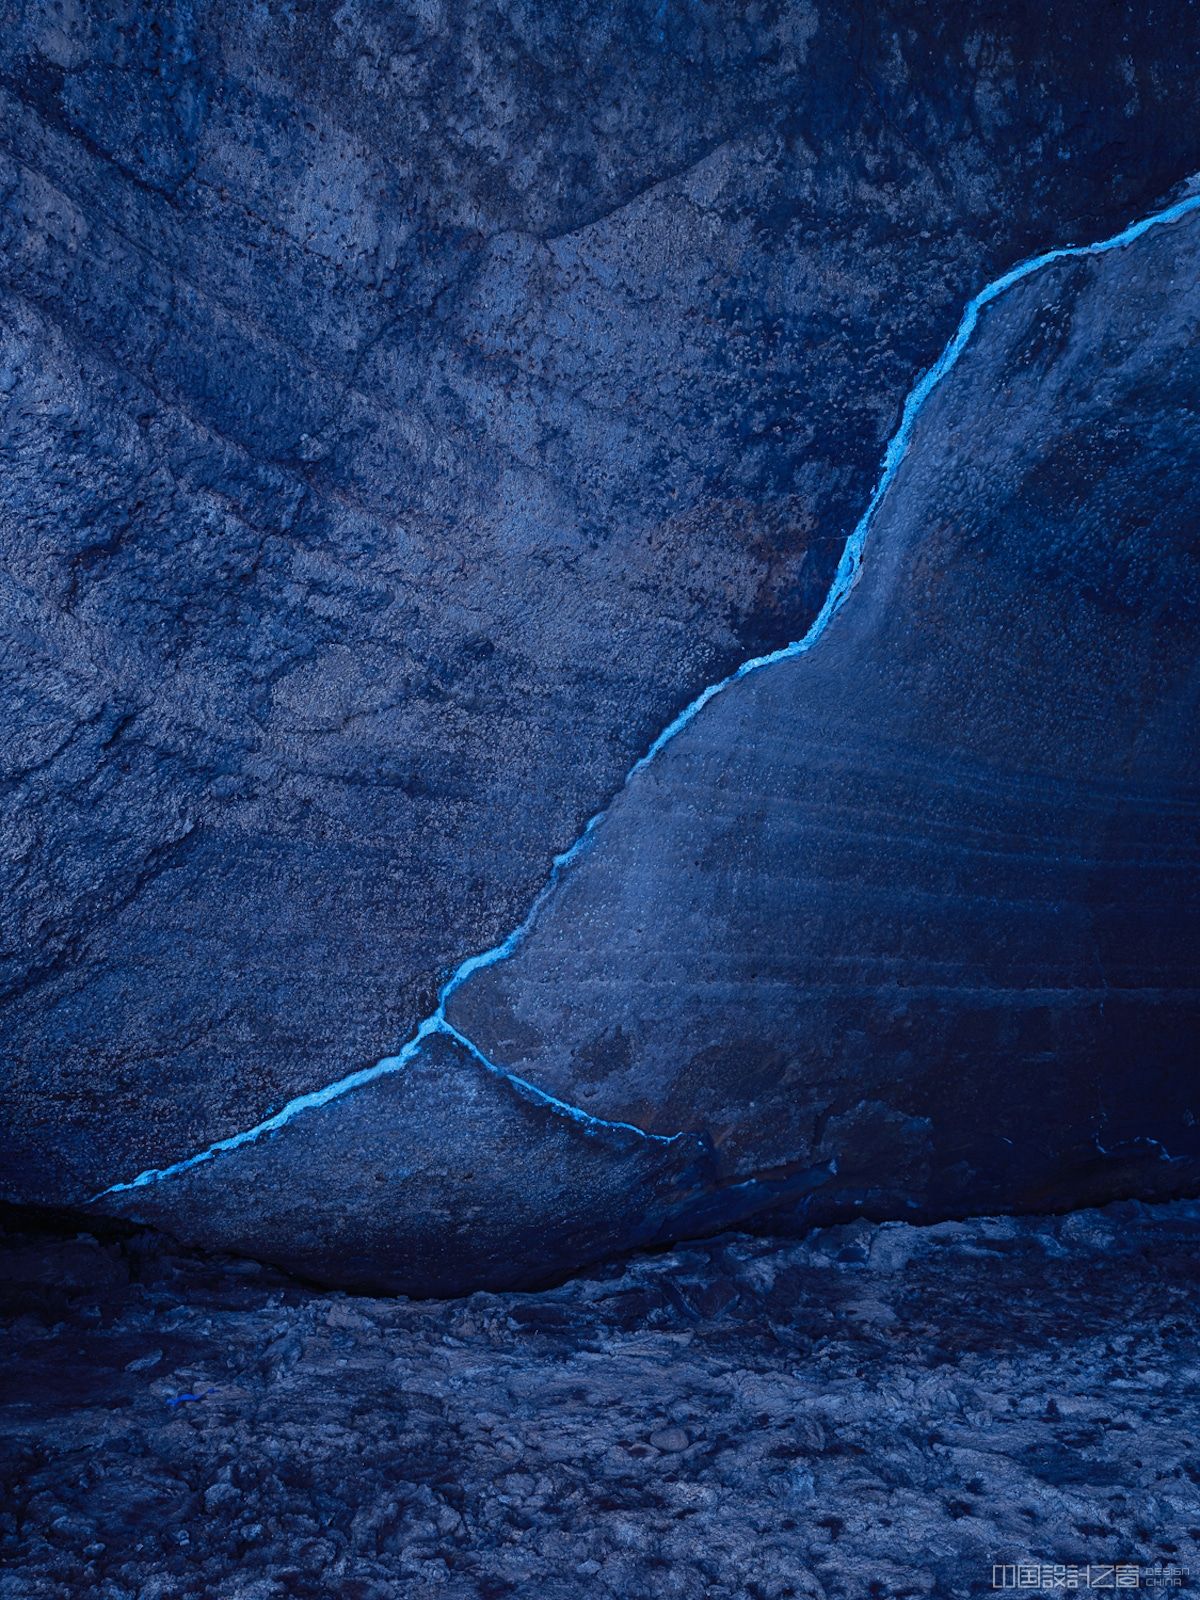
(576,1114)
(435,1023)
(1128,1148)
(843,581)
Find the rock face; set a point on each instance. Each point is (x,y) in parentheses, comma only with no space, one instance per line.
(926,901)
(404,415)
(906,923)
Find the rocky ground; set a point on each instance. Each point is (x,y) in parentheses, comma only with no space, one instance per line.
(877,1410)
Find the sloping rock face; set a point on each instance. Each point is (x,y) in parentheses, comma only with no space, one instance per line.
(403,413)
(925,902)
(905,924)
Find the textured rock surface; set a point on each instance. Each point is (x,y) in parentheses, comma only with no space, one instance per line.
(441,1177)
(926,901)
(877,1410)
(908,923)
(404,411)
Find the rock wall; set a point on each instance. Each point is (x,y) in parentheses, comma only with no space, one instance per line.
(403,413)
(906,923)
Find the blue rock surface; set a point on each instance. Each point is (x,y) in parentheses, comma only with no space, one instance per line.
(923,902)
(903,920)
(403,416)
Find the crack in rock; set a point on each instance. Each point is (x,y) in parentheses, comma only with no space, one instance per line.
(844,580)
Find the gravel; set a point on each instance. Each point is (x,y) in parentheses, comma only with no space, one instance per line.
(875,1410)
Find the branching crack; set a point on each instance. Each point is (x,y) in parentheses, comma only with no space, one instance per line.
(576,1114)
(843,581)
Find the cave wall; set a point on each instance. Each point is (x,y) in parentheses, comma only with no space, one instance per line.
(403,413)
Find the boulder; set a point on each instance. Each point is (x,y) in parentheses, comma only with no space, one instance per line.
(903,923)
